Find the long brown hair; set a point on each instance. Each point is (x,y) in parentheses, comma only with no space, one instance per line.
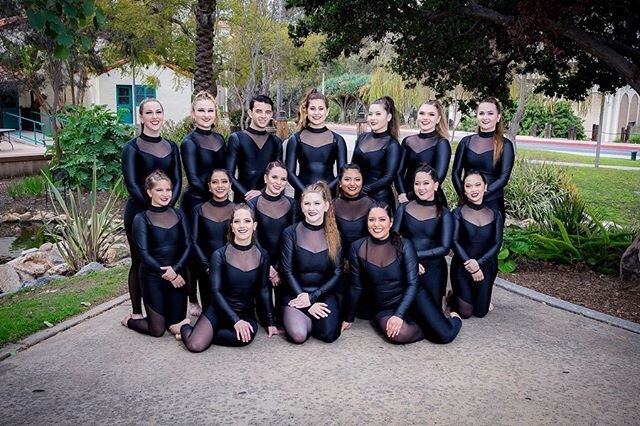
(441,127)
(141,108)
(439,196)
(331,232)
(238,207)
(311,95)
(390,107)
(498,134)
(202,96)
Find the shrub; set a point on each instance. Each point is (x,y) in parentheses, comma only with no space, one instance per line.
(91,135)
(31,185)
(177,131)
(634,138)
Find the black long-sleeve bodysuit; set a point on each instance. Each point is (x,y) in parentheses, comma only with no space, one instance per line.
(392,278)
(141,156)
(428,148)
(239,277)
(162,239)
(378,155)
(431,234)
(249,152)
(477,234)
(307,268)
(316,151)
(476,152)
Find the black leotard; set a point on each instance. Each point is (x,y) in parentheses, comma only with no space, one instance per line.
(141,156)
(307,268)
(317,151)
(378,155)
(476,152)
(202,151)
(428,148)
(477,234)
(162,239)
(430,233)
(249,152)
(239,276)
(351,218)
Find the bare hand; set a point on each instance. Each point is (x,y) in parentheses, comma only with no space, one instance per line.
(402,198)
(471,265)
(272,330)
(300,302)
(273,276)
(178,281)
(251,194)
(394,324)
(478,275)
(421,269)
(169,274)
(243,331)
(346,325)
(319,310)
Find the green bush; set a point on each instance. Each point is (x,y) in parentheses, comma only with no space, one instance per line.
(32,185)
(177,131)
(516,243)
(90,135)
(634,138)
(539,111)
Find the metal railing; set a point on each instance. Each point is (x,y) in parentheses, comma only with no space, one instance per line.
(38,129)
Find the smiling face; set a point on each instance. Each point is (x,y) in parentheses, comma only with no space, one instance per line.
(160,193)
(275,181)
(260,115)
(313,208)
(474,188)
(204,113)
(152,118)
(317,112)
(379,223)
(219,186)
(351,183)
(378,118)
(424,186)
(243,227)
(487,117)
(428,118)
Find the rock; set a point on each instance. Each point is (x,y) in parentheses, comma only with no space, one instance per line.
(91,267)
(25,217)
(522,224)
(61,269)
(123,262)
(32,265)
(9,279)
(10,217)
(37,217)
(41,281)
(55,257)
(46,247)
(630,262)
(28,251)
(116,253)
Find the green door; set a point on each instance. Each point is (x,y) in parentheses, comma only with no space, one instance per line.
(124,105)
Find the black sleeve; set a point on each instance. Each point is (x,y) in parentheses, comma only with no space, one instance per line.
(506,164)
(456,171)
(195,224)
(215,279)
(129,174)
(397,218)
(491,254)
(399,180)
(188,244)
(175,174)
(332,283)
(232,162)
(457,247)
(355,292)
(292,162)
(141,237)
(280,150)
(392,158)
(288,259)
(446,233)
(265,290)
(410,265)
(188,151)
(442,160)
(341,160)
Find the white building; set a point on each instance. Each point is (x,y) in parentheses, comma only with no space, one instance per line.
(620,109)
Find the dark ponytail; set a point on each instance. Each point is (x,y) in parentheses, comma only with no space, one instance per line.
(439,197)
(390,108)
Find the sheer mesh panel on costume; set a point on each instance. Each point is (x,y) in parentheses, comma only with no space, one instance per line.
(480,217)
(380,255)
(217,214)
(166,219)
(371,144)
(352,210)
(209,142)
(420,212)
(418,144)
(258,139)
(313,241)
(316,140)
(157,149)
(273,209)
(245,260)
(480,145)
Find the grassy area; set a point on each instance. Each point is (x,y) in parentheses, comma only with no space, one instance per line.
(25,312)
(534,154)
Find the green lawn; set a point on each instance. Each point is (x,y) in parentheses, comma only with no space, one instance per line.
(534,154)
(25,312)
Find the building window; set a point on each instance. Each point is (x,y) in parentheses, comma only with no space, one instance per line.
(144,92)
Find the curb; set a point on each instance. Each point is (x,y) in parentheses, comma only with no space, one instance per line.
(567,306)
(42,335)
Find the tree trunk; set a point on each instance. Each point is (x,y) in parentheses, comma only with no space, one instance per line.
(514,125)
(205,21)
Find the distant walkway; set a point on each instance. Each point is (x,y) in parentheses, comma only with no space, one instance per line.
(569,164)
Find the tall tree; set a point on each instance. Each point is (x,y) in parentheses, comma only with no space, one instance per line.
(205,21)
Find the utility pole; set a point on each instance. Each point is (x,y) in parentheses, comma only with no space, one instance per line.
(600,129)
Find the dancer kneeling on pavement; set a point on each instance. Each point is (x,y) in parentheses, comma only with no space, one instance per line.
(163,243)
(477,237)
(389,266)
(239,274)
(312,269)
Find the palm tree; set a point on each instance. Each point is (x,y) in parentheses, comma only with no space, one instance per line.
(205,21)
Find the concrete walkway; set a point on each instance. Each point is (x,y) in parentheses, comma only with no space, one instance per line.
(525,363)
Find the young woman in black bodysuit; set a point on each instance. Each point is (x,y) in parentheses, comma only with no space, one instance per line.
(238,278)
(140,156)
(430,146)
(312,269)
(274,212)
(209,224)
(489,152)
(378,152)
(251,150)
(477,237)
(388,266)
(163,243)
(313,147)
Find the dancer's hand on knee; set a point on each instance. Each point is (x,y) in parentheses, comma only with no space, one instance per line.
(346,325)
(243,331)
(394,324)
(319,310)
(300,302)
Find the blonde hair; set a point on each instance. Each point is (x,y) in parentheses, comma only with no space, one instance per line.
(206,96)
(311,95)
(498,134)
(154,177)
(441,127)
(331,232)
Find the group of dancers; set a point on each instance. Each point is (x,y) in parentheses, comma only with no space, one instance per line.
(338,250)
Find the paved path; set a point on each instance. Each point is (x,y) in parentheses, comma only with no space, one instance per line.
(526,363)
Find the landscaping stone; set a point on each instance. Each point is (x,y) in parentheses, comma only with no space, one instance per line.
(46,247)
(10,218)
(32,265)
(28,251)
(630,262)
(25,217)
(41,281)
(9,279)
(91,267)
(61,269)
(123,262)
(115,253)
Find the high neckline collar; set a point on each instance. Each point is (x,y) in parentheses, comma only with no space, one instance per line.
(356,198)
(241,248)
(147,138)
(256,132)
(427,135)
(381,134)
(158,209)
(486,134)
(378,242)
(314,130)
(215,203)
(426,202)
(312,227)
(203,131)
(475,206)
(271,197)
